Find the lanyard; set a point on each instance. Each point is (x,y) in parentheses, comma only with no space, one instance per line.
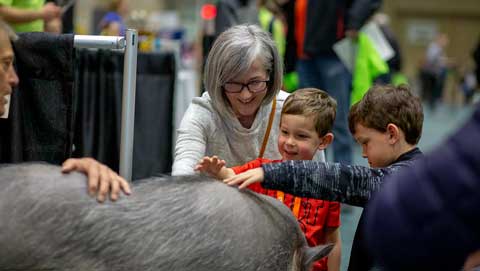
(269,126)
(280,194)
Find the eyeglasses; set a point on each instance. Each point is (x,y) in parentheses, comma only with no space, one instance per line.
(252,86)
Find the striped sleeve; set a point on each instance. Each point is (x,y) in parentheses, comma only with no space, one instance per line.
(348,184)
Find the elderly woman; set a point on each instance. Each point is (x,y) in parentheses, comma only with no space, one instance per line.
(241,109)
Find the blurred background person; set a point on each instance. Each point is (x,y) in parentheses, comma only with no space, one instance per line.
(234,12)
(318,26)
(273,16)
(469,75)
(467,82)
(113,22)
(434,71)
(28,16)
(395,77)
(290,79)
(269,14)
(272,19)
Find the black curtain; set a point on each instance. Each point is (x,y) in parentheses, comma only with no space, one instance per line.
(99,77)
(70,100)
(40,124)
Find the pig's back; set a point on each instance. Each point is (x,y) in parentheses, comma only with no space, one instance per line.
(171,223)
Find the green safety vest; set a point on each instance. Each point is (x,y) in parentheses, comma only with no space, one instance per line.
(368,66)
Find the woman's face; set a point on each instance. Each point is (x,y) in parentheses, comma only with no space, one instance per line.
(245,103)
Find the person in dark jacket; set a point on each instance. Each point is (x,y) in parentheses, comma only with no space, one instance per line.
(432,208)
(318,25)
(101,179)
(387,123)
(235,12)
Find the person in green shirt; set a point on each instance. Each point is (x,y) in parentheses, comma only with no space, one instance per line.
(272,19)
(28,15)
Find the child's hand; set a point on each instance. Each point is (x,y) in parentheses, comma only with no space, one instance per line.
(246,178)
(210,166)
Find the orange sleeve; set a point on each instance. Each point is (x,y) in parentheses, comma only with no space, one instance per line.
(250,165)
(333,216)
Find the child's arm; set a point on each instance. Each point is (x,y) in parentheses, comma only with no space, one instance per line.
(214,167)
(332,235)
(349,184)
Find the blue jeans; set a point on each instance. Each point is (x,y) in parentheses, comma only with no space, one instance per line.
(329,74)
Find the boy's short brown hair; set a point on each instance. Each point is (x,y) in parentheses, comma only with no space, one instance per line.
(384,104)
(312,102)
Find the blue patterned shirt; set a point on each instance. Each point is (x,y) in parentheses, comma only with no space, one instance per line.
(348,184)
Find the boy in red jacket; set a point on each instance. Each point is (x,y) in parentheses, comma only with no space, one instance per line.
(305,127)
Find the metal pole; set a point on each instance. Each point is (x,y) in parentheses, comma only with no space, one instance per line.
(99,42)
(128,104)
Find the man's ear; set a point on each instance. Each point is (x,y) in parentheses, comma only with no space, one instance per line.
(325,141)
(393,133)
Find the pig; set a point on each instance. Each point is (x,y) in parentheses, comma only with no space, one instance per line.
(48,222)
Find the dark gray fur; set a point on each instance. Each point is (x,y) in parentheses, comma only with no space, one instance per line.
(47,221)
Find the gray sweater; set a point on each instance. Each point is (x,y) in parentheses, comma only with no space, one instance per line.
(205,132)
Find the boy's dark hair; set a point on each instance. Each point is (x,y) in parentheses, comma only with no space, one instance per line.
(384,104)
(312,102)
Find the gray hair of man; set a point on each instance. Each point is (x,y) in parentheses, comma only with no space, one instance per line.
(231,56)
(4,27)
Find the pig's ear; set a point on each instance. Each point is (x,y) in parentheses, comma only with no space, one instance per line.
(313,254)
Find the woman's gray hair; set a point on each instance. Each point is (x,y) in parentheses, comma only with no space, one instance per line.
(231,56)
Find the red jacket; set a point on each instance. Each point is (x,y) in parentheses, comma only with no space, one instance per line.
(313,215)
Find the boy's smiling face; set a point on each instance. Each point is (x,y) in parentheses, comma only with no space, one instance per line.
(377,146)
(298,139)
